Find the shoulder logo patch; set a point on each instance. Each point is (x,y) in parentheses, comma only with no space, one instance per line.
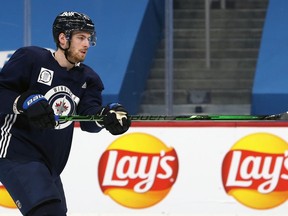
(45,76)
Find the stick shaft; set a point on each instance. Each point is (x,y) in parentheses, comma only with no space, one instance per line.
(175,118)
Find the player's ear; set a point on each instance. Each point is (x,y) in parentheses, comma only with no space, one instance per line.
(62,40)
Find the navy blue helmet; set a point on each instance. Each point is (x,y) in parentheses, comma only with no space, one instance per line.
(69,21)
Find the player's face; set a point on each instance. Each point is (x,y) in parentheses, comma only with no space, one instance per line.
(80,42)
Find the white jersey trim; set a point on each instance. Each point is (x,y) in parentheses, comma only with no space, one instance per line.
(5,134)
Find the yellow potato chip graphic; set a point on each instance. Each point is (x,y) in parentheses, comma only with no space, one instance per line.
(5,198)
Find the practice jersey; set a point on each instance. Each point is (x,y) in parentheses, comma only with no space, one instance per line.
(77,91)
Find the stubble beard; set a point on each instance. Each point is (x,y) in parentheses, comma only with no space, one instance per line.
(75,57)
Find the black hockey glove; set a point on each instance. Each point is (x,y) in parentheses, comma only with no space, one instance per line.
(36,107)
(115,118)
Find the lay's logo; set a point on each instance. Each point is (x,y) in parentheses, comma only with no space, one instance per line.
(255,171)
(137,170)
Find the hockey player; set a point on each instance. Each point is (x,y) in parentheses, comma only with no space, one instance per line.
(35,85)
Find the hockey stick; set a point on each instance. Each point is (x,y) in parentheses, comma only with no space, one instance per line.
(281,116)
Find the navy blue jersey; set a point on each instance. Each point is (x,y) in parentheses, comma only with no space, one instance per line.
(77,91)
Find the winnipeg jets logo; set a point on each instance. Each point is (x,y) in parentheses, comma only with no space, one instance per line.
(63,102)
(61,106)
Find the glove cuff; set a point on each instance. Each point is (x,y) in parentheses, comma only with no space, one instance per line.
(112,106)
(27,99)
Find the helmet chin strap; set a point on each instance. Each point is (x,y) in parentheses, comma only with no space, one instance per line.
(66,55)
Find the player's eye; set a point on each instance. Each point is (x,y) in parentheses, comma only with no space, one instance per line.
(83,38)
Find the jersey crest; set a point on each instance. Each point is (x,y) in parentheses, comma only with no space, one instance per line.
(63,102)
